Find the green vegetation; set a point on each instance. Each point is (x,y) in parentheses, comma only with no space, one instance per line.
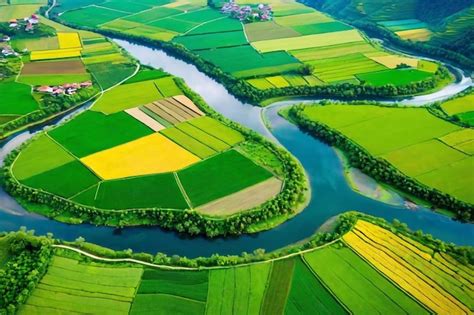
(92,132)
(188,142)
(410,139)
(278,287)
(16,99)
(218,130)
(220,176)
(92,16)
(395,77)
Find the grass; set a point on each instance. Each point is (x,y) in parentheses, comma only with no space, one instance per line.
(187,284)
(91,16)
(40,156)
(152,191)
(262,155)
(302,19)
(57,180)
(332,51)
(249,61)
(261,84)
(92,132)
(127,96)
(16,99)
(411,146)
(146,75)
(152,15)
(309,296)
(149,303)
(167,87)
(32,44)
(278,287)
(278,81)
(220,176)
(211,41)
(152,154)
(174,25)
(218,130)
(467,118)
(192,145)
(410,268)
(308,41)
(397,77)
(17,11)
(237,290)
(127,6)
(360,287)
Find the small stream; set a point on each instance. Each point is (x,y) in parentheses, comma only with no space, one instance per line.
(331,194)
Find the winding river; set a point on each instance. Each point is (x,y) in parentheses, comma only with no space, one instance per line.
(331,194)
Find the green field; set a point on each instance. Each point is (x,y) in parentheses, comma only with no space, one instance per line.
(209,140)
(127,6)
(409,138)
(218,130)
(188,142)
(319,28)
(360,287)
(146,75)
(214,40)
(152,15)
(53,79)
(309,296)
(57,180)
(220,25)
(40,156)
(91,16)
(16,99)
(92,132)
(278,287)
(396,77)
(152,191)
(459,105)
(108,74)
(127,96)
(220,176)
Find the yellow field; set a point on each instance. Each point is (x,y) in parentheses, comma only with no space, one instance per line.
(69,40)
(409,267)
(308,41)
(392,61)
(55,54)
(419,34)
(148,155)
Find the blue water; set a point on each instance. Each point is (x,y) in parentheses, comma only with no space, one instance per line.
(331,194)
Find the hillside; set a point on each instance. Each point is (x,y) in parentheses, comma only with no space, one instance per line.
(431,22)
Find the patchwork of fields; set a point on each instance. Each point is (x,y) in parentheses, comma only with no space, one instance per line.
(353,275)
(435,152)
(266,54)
(153,148)
(461,108)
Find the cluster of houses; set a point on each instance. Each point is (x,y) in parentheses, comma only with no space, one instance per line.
(28,23)
(65,89)
(7,51)
(263,12)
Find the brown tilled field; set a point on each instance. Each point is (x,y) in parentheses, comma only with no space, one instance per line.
(54,67)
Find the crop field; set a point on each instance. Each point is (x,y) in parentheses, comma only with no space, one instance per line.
(127,6)
(108,74)
(40,156)
(16,99)
(319,28)
(54,67)
(214,127)
(127,96)
(152,15)
(308,41)
(55,54)
(32,44)
(459,105)
(148,155)
(412,147)
(411,269)
(17,11)
(92,16)
(421,34)
(90,132)
(268,30)
(357,285)
(220,176)
(392,61)
(71,287)
(189,143)
(396,77)
(217,26)
(69,40)
(53,79)
(152,191)
(145,119)
(211,141)
(214,40)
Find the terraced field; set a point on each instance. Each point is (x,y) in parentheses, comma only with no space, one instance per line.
(349,276)
(422,146)
(266,54)
(153,148)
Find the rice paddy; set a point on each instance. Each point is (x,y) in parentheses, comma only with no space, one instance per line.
(263,53)
(418,151)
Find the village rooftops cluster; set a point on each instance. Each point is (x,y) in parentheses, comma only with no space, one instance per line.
(28,22)
(7,51)
(263,12)
(65,89)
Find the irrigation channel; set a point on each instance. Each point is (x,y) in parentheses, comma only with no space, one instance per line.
(331,193)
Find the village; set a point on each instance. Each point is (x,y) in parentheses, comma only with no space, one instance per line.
(64,89)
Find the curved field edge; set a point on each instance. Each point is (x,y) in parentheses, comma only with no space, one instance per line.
(359,157)
(246,92)
(291,199)
(250,281)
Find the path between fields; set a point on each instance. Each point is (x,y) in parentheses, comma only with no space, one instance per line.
(144,263)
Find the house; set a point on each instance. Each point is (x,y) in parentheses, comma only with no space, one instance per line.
(45,89)
(29,27)
(8,51)
(57,91)
(34,19)
(86,84)
(5,39)
(13,23)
